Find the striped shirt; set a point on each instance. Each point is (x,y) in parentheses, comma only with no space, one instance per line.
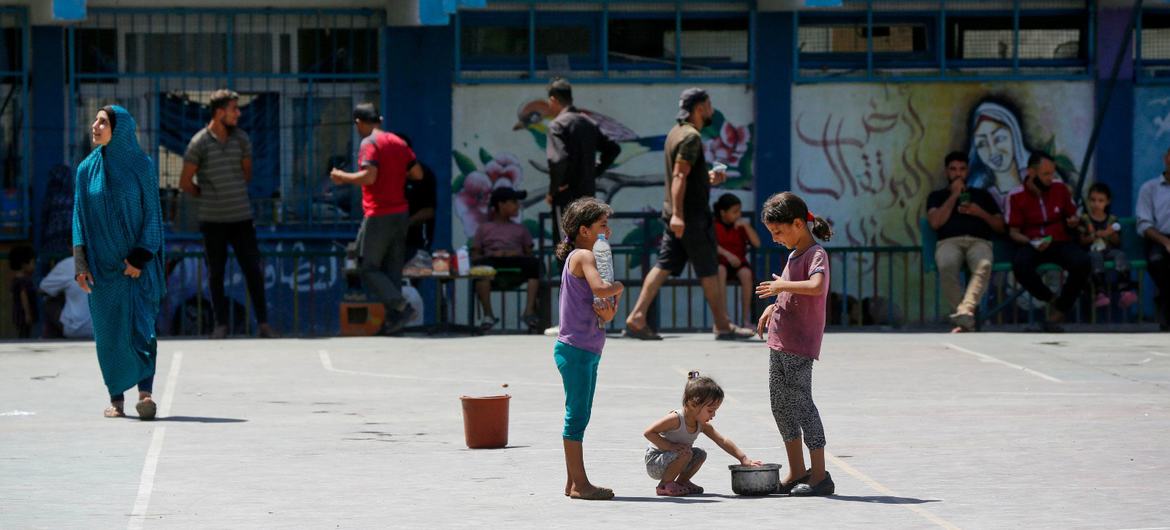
(223,194)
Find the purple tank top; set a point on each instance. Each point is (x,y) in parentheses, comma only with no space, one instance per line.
(578,321)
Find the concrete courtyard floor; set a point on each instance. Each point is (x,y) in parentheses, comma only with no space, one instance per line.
(924,431)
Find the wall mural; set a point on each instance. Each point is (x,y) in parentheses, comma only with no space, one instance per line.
(867,155)
(499,135)
(1151,133)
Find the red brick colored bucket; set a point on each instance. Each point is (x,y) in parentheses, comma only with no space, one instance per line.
(485,421)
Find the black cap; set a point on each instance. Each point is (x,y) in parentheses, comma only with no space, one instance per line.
(366,112)
(687,101)
(506,193)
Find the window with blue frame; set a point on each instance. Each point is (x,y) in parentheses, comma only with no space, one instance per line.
(864,43)
(1152,52)
(621,43)
(494,41)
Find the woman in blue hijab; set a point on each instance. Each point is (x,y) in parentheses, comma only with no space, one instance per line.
(118,243)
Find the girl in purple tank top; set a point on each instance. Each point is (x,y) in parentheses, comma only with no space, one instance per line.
(795,326)
(578,348)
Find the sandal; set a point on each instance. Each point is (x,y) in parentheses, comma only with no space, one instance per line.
(599,494)
(692,488)
(640,334)
(736,333)
(114,411)
(146,409)
(532,320)
(672,489)
(487,323)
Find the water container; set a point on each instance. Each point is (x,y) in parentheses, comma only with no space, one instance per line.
(603,255)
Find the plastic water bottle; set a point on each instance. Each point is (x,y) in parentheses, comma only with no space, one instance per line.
(462,261)
(603,254)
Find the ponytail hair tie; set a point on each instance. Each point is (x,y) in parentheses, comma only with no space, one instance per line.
(693,374)
(810,217)
(567,240)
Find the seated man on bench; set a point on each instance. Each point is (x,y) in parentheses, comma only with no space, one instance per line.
(1153,223)
(504,244)
(965,219)
(1042,218)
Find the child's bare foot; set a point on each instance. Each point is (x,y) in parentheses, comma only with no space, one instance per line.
(591,493)
(568,487)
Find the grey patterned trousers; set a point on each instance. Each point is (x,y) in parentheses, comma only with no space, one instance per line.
(790,384)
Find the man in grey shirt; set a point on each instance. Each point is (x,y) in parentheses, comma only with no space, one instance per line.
(1153,222)
(220,156)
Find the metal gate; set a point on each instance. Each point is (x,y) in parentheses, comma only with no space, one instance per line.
(15,136)
(299,73)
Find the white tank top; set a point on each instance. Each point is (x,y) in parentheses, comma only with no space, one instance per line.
(681,435)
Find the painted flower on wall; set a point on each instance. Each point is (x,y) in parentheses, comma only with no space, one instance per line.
(729,147)
(473,187)
(505,166)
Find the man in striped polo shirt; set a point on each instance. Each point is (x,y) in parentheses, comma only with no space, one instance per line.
(385,161)
(216,170)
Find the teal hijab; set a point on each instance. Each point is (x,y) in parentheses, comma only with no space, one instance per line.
(116,210)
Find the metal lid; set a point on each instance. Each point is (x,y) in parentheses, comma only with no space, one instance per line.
(763,467)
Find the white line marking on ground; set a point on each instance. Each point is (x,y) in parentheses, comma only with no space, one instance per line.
(990,359)
(146,483)
(1160,354)
(877,486)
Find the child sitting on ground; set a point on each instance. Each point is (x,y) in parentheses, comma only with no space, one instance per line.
(504,244)
(1099,233)
(671,457)
(733,234)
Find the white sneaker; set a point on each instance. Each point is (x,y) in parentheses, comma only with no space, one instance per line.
(553,331)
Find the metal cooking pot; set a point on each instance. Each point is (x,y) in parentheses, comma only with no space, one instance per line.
(755,480)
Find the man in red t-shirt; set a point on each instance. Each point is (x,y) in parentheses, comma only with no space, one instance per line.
(384,162)
(1041,217)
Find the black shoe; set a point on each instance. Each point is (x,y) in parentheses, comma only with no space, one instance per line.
(397,320)
(823,488)
(785,489)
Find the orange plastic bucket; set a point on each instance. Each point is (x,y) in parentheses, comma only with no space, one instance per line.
(485,421)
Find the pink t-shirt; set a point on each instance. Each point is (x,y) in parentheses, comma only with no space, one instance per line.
(494,237)
(798,323)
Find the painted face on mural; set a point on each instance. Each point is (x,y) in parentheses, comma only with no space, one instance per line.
(994,145)
(100,131)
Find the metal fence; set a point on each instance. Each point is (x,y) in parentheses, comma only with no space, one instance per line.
(299,73)
(882,287)
(15,131)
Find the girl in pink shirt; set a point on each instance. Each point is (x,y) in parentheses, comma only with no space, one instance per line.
(795,326)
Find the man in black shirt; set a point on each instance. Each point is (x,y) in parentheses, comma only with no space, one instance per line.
(574,142)
(965,219)
(421,195)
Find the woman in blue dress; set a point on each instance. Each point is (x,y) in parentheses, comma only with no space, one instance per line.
(118,245)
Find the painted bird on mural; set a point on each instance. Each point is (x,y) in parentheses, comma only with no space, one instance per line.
(535,115)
